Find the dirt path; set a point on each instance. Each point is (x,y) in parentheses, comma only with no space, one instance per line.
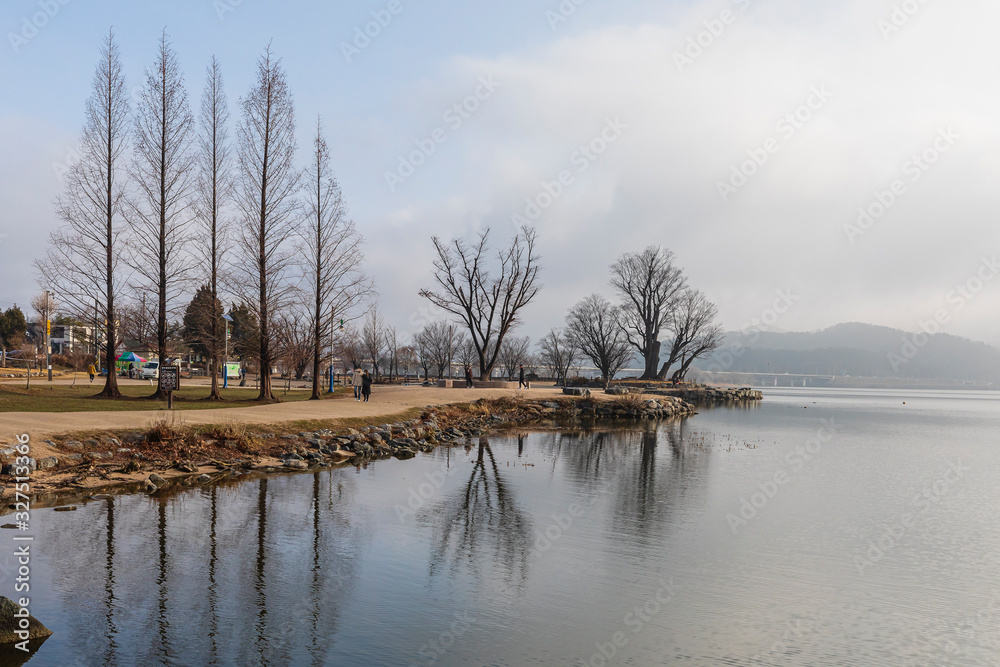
(384,401)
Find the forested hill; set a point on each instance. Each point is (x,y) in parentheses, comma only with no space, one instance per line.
(864,350)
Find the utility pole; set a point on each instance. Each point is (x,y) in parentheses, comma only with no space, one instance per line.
(451,337)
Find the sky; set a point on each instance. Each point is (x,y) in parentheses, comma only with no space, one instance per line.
(808,163)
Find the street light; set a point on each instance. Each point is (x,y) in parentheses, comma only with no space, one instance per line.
(333,333)
(48,335)
(225,364)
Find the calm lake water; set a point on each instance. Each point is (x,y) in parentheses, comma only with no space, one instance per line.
(824,527)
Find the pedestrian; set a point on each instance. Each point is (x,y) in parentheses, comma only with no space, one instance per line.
(243,376)
(131,370)
(91,371)
(468,377)
(356,381)
(366,386)
(520,379)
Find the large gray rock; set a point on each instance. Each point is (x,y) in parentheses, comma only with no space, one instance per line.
(10,630)
(576,391)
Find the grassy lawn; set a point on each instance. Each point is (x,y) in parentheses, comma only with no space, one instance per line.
(65,398)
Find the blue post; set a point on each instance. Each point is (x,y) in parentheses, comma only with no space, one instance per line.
(331,378)
(225,377)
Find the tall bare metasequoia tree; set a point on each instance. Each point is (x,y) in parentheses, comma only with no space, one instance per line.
(487,306)
(162,170)
(266,196)
(214,183)
(649,285)
(82,263)
(332,255)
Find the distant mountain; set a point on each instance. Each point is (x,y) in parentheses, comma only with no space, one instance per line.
(861,350)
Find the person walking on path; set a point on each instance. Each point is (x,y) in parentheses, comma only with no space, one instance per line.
(366,386)
(468,377)
(520,379)
(356,379)
(91,371)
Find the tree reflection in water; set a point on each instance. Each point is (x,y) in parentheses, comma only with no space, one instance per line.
(481,525)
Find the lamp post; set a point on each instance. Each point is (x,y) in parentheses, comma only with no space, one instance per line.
(225,364)
(48,335)
(333,334)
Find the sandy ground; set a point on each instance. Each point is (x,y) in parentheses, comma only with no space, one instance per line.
(387,400)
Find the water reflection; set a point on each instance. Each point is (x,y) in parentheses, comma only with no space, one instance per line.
(481,524)
(173,584)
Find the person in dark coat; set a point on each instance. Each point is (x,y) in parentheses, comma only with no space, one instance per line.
(520,379)
(468,377)
(366,386)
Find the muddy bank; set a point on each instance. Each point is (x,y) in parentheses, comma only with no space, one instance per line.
(167,458)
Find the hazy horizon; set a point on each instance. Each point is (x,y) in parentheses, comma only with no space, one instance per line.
(836,108)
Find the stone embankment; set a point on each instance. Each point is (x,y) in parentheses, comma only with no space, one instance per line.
(698,394)
(166,457)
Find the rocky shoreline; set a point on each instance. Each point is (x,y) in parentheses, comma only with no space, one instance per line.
(166,458)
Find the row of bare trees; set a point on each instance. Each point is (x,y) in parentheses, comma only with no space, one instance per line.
(161,201)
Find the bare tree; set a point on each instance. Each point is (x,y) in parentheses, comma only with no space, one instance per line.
(137,322)
(407,358)
(350,349)
(214,188)
(487,306)
(162,170)
(331,247)
(392,352)
(465,352)
(373,339)
(293,342)
(440,341)
(649,285)
(707,341)
(266,196)
(424,354)
(514,353)
(82,263)
(594,324)
(558,353)
(692,319)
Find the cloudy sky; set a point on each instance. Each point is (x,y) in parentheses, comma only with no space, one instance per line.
(747,136)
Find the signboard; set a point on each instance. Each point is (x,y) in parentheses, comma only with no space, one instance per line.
(232,369)
(170,378)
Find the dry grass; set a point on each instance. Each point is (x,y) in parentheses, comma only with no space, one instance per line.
(631,402)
